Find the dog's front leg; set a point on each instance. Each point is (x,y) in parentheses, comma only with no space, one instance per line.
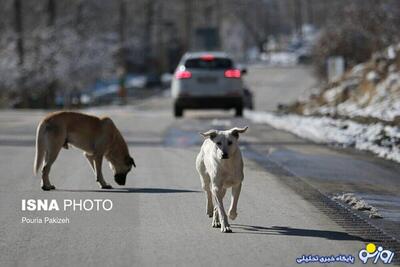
(98,160)
(219,193)
(205,184)
(215,220)
(234,201)
(210,206)
(90,158)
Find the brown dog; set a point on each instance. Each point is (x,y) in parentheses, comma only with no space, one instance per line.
(97,137)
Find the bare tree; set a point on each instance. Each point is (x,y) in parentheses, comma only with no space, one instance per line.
(19,31)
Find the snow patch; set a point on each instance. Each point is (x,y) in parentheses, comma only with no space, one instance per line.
(380,139)
(372,76)
(358,204)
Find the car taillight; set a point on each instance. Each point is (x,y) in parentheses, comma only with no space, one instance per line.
(207,57)
(232,73)
(183,74)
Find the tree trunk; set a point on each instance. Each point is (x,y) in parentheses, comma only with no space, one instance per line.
(19,31)
(298,17)
(148,38)
(188,19)
(121,24)
(51,13)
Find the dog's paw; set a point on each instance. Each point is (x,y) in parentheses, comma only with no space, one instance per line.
(215,221)
(216,224)
(232,214)
(106,186)
(48,187)
(226,229)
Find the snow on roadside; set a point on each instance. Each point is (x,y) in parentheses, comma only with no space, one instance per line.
(383,102)
(384,141)
(358,204)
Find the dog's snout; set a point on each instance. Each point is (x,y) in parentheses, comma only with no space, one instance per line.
(120,178)
(225,156)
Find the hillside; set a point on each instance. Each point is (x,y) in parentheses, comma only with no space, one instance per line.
(369,92)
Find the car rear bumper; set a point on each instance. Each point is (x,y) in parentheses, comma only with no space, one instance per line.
(209,102)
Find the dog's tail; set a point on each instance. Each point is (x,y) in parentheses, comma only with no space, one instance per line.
(40,147)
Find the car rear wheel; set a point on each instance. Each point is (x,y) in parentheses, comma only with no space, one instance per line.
(178,111)
(239,112)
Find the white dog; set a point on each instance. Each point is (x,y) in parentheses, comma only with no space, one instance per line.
(220,166)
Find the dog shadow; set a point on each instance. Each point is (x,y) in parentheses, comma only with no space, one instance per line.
(290,231)
(146,190)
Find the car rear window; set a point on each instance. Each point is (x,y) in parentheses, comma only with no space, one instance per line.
(216,63)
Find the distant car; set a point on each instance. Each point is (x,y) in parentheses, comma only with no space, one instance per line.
(153,80)
(207,80)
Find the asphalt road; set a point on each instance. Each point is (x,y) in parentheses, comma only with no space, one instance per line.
(158,218)
(278,85)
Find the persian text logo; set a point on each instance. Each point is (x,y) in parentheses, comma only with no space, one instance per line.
(371,251)
(325,259)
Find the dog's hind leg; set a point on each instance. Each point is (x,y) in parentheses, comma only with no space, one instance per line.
(234,201)
(53,148)
(219,193)
(210,205)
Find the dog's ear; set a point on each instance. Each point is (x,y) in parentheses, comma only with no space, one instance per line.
(236,131)
(211,133)
(129,161)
